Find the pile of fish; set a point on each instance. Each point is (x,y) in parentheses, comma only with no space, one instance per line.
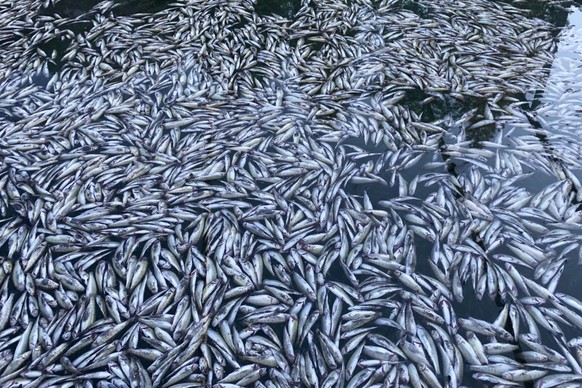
(210,196)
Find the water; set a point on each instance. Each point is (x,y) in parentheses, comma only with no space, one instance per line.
(286,9)
(237,76)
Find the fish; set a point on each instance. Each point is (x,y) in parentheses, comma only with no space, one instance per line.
(210,193)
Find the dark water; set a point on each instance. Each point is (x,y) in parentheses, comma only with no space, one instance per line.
(285,9)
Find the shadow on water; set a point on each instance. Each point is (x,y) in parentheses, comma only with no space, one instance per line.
(283,8)
(77,8)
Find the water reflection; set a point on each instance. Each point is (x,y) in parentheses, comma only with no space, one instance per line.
(552,115)
(563,91)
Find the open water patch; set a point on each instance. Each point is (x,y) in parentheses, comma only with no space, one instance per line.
(283,8)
